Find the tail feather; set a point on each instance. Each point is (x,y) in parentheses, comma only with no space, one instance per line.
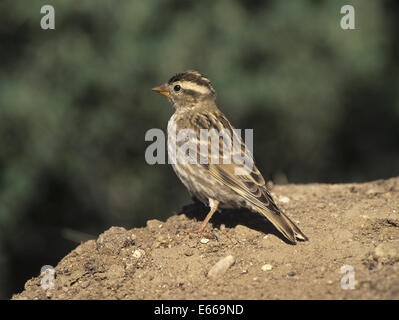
(284,225)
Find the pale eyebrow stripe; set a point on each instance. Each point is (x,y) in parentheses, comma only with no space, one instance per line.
(194,86)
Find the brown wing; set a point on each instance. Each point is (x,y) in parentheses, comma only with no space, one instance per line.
(243,178)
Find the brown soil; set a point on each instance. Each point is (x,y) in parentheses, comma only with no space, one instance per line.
(347,224)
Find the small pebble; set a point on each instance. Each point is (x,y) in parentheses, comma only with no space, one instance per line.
(291,274)
(188,253)
(267,267)
(283,199)
(162,239)
(138,253)
(221,267)
(204,240)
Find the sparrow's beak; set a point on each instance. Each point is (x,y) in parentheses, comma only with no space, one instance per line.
(163,89)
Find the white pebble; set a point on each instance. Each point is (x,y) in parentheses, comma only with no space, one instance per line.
(284,199)
(204,240)
(267,267)
(221,267)
(138,253)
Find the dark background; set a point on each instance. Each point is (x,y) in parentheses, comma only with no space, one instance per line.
(75,104)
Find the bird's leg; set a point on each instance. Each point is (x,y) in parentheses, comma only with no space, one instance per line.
(214,206)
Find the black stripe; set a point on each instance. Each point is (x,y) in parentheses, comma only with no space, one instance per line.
(192,77)
(194,94)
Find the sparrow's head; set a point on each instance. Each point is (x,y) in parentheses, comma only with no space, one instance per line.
(187,89)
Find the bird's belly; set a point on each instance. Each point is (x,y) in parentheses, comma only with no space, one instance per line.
(198,179)
(204,186)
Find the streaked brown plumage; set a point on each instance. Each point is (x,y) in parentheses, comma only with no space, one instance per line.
(217,185)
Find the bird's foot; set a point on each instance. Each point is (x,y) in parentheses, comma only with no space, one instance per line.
(200,231)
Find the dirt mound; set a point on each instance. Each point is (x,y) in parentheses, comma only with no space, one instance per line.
(353,252)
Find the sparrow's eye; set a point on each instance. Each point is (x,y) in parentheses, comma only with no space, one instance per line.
(177,88)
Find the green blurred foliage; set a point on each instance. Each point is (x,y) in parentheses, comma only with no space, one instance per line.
(75,104)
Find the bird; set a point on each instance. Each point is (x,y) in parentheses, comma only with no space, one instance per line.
(217,184)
